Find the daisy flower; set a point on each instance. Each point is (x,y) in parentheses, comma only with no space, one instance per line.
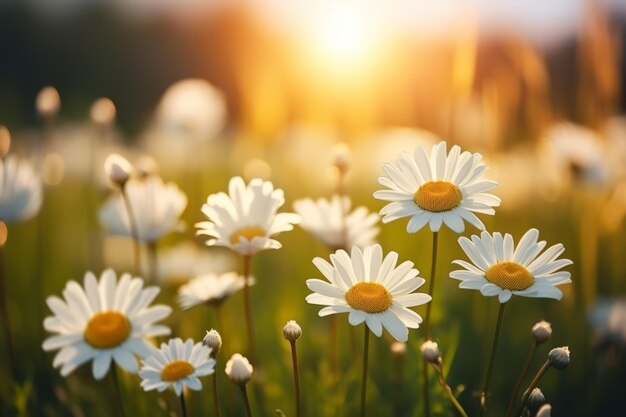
(210,289)
(245,219)
(156,208)
(437,189)
(20,190)
(331,222)
(178,365)
(102,321)
(371,289)
(499,268)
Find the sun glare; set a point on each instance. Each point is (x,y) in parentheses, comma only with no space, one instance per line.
(344,32)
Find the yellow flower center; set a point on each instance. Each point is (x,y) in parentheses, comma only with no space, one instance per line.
(176,370)
(437,196)
(509,275)
(369,297)
(107,330)
(247,232)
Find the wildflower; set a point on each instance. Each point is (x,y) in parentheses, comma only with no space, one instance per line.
(292,331)
(430,352)
(542,331)
(209,289)
(20,188)
(117,169)
(238,369)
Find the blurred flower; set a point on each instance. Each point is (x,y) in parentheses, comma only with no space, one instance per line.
(245,219)
(398,348)
(503,270)
(331,222)
(5,141)
(118,169)
(559,357)
(178,365)
(371,289)
(292,331)
(48,102)
(238,369)
(102,112)
(608,320)
(185,260)
(542,331)
(342,157)
(430,351)
(104,321)
(442,188)
(20,190)
(210,289)
(156,208)
(146,166)
(213,340)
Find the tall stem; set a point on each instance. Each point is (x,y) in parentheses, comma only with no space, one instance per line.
(6,322)
(332,341)
(244,393)
(215,395)
(153,261)
(533,384)
(183,406)
(248,306)
(296,376)
(431,290)
(494,348)
(118,390)
(448,390)
(366,343)
(521,378)
(134,231)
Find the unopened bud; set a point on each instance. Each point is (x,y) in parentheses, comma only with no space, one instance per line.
(102,111)
(118,169)
(5,141)
(559,357)
(238,369)
(342,157)
(48,102)
(292,331)
(535,400)
(542,331)
(545,411)
(213,340)
(430,351)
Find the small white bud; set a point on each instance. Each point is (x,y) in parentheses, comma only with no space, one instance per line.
(5,141)
(542,331)
(342,157)
(559,357)
(398,348)
(545,411)
(292,331)
(430,351)
(48,102)
(238,369)
(102,111)
(118,169)
(213,340)
(535,400)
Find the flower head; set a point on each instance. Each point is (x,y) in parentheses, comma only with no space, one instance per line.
(156,209)
(559,357)
(210,289)
(102,321)
(48,102)
(436,189)
(430,351)
(177,364)
(371,289)
(292,331)
(245,219)
(213,340)
(117,169)
(331,222)
(20,190)
(499,268)
(102,111)
(238,369)
(541,331)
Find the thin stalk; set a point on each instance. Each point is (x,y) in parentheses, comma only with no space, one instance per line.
(494,348)
(6,321)
(366,343)
(522,377)
(134,231)
(118,390)
(533,384)
(431,290)
(153,261)
(246,401)
(248,307)
(215,396)
(183,406)
(296,376)
(332,341)
(448,390)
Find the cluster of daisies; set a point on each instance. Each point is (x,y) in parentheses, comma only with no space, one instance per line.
(113,320)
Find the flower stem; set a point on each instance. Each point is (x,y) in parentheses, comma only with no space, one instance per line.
(118,390)
(521,378)
(153,262)
(431,290)
(533,384)
(215,395)
(246,401)
(134,231)
(366,343)
(183,406)
(296,376)
(494,348)
(248,306)
(448,390)
(332,341)
(6,322)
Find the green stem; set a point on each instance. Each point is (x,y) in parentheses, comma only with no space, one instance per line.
(248,307)
(431,290)
(215,395)
(366,343)
(296,376)
(448,390)
(494,348)
(6,322)
(134,231)
(183,406)
(521,378)
(533,384)
(246,401)
(332,341)
(118,390)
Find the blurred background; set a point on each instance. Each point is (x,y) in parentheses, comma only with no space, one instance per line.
(209,89)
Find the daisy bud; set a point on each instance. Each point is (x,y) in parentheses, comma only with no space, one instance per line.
(342,157)
(118,169)
(5,141)
(213,340)
(535,400)
(430,351)
(102,112)
(238,369)
(48,102)
(146,166)
(544,411)
(398,348)
(292,331)
(541,332)
(559,357)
